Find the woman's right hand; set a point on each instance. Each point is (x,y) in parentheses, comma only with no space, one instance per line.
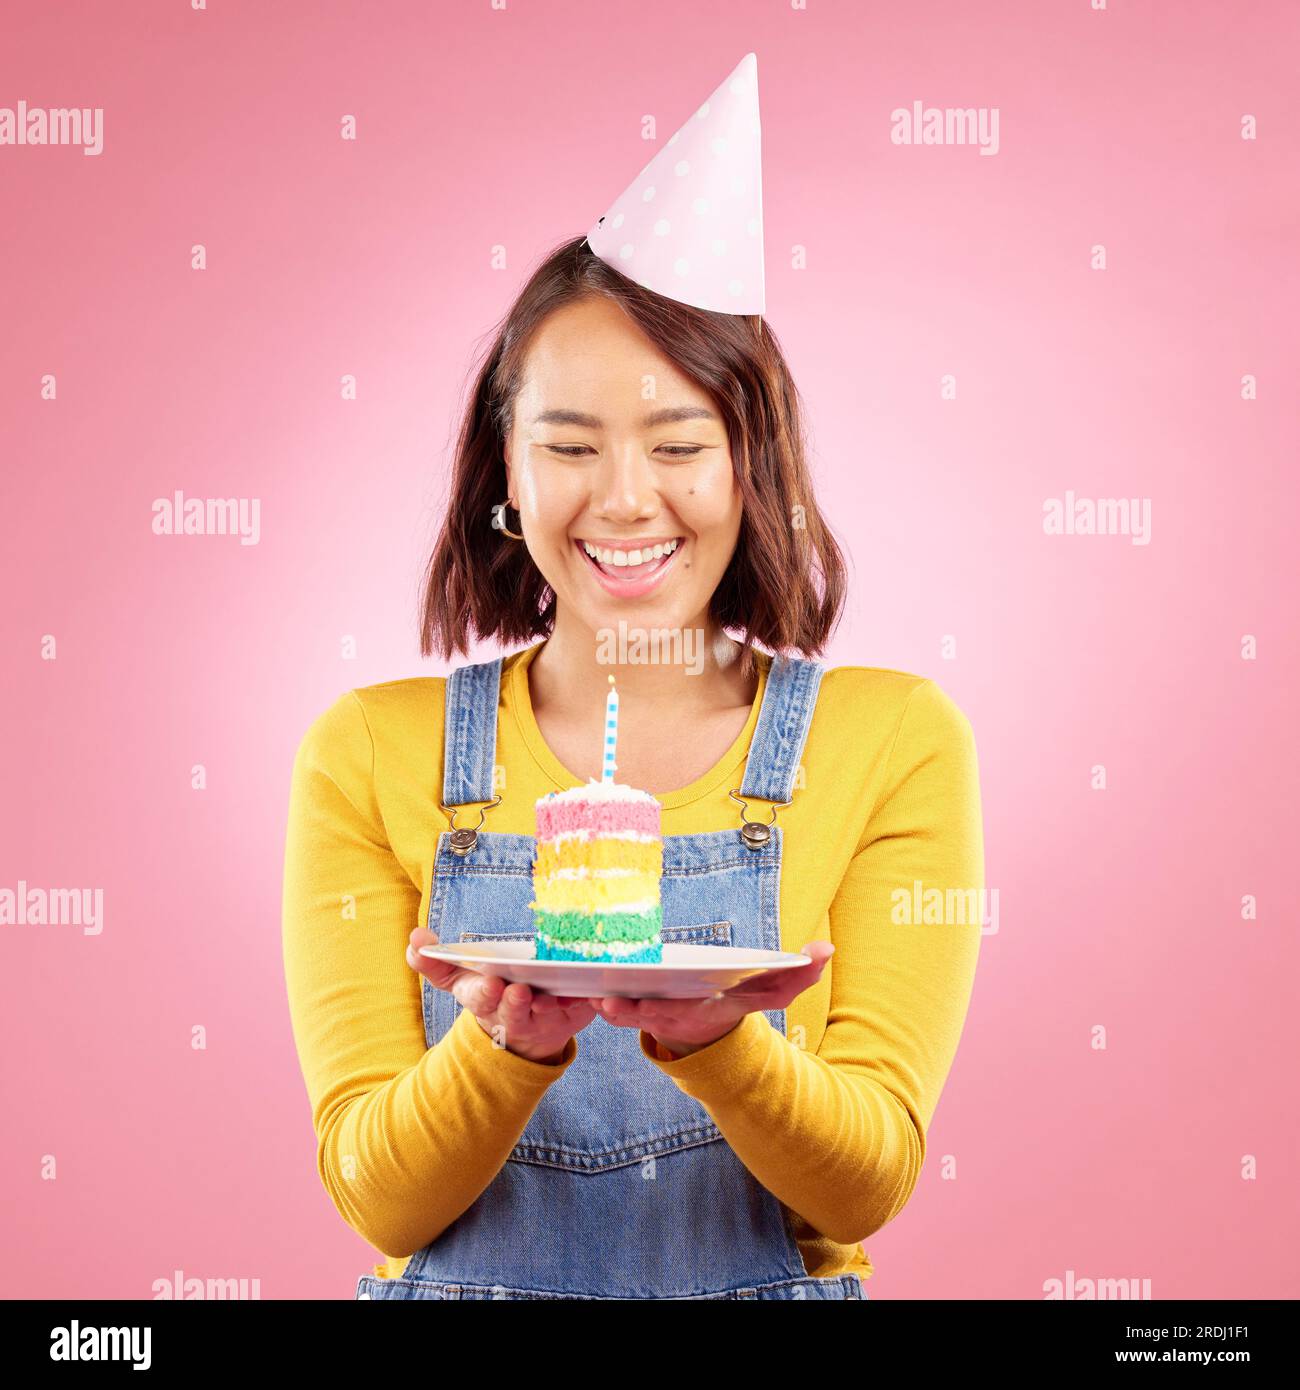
(535,1026)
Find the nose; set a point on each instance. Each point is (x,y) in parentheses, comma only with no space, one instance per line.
(623,486)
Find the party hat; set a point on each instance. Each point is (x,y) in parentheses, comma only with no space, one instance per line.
(690,225)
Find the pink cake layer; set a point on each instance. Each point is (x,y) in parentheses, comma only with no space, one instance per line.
(555,817)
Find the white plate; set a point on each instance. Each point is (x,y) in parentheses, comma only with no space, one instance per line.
(687,971)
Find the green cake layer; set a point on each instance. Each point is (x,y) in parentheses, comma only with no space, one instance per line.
(573,935)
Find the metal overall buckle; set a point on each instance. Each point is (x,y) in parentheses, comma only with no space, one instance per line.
(754,833)
(465,840)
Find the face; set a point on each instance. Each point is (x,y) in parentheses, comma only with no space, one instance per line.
(630,507)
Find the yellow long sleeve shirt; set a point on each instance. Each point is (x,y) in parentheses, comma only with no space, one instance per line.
(831,1117)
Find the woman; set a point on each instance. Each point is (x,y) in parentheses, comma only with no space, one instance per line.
(651,458)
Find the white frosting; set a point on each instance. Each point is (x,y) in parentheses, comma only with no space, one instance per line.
(606,909)
(598,791)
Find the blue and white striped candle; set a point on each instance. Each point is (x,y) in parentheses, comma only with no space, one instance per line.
(611,733)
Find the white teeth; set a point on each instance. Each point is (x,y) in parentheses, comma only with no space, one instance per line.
(621,559)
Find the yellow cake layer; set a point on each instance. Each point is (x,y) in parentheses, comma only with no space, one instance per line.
(604,853)
(598,893)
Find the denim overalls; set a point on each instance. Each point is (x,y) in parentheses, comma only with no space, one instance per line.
(620,1186)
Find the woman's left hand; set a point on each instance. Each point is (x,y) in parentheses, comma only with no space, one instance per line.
(684,1026)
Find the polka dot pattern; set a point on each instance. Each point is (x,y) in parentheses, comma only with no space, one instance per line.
(690,225)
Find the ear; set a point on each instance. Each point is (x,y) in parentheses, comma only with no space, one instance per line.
(510,475)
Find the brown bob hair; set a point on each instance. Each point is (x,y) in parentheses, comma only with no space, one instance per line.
(784,587)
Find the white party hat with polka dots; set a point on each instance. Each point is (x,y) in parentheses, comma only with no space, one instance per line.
(690,225)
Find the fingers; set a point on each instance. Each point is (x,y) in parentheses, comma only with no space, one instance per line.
(621,1012)
(441,974)
(486,993)
(515,1003)
(578,1012)
(763,989)
(781,987)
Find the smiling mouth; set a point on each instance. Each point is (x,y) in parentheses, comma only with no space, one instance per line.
(630,569)
(614,559)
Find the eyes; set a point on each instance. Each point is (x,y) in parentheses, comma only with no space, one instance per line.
(674,451)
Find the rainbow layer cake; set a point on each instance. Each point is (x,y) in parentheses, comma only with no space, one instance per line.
(596,875)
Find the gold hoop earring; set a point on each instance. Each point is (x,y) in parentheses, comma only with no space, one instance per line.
(499,520)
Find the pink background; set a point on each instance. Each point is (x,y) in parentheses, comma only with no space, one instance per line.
(477,127)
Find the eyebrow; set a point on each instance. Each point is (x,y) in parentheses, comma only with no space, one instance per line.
(668,416)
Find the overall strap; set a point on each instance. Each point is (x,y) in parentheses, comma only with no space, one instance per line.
(784,719)
(469,749)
